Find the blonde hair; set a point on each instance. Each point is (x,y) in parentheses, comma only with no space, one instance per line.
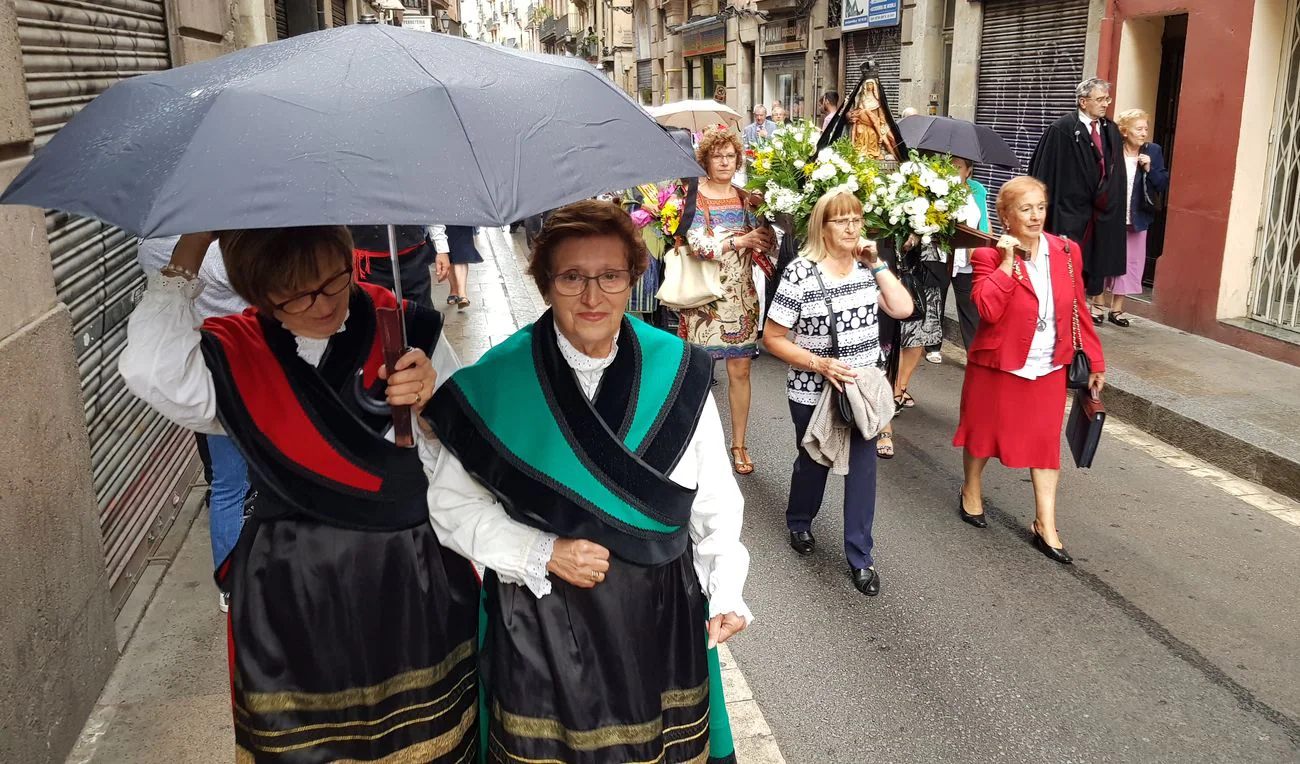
(832,204)
(1012,191)
(1127,119)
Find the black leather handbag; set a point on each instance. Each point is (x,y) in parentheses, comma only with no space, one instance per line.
(841,400)
(1080,367)
(912,275)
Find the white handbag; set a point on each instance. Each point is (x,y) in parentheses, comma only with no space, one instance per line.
(689,282)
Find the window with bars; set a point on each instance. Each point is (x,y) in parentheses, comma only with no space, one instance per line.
(834,13)
(1275,288)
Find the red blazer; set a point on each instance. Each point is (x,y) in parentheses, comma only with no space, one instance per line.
(1008,309)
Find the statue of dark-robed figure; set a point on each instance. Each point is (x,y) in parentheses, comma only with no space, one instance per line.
(1080,158)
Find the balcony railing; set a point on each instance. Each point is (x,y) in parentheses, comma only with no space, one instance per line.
(555,28)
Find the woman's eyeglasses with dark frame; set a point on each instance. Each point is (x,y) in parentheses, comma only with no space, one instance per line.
(572,283)
(303,302)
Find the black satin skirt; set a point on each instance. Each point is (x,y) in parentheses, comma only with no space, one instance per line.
(617,673)
(351,645)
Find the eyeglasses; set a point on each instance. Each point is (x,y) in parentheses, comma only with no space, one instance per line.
(1101,99)
(723,157)
(849,223)
(303,302)
(572,283)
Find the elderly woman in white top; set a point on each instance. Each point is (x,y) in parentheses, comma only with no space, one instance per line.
(337,583)
(584,465)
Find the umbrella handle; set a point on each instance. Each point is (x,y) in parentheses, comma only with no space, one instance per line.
(390,337)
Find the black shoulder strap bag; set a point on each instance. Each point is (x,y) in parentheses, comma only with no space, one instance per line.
(841,400)
(1080,367)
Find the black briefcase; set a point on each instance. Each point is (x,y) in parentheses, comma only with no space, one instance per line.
(1083,430)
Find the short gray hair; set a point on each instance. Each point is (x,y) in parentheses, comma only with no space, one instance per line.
(760,108)
(1085,88)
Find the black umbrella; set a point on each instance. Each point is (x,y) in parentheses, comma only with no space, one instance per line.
(946,135)
(362,124)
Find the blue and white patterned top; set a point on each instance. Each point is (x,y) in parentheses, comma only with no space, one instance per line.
(800,305)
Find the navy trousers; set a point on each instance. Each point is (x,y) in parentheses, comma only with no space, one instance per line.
(808,485)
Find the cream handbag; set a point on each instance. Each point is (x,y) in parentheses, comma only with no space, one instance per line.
(689,282)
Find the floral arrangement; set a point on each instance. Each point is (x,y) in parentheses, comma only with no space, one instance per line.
(925,197)
(792,174)
(659,207)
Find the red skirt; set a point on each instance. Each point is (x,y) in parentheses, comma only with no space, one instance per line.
(1013,419)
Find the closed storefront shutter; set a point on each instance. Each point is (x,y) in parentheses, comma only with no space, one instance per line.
(339,10)
(1031,60)
(281,20)
(784,61)
(644,75)
(884,45)
(72,51)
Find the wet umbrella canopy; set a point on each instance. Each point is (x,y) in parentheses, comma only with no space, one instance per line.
(363,124)
(958,137)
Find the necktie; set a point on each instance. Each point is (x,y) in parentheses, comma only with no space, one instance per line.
(1101,152)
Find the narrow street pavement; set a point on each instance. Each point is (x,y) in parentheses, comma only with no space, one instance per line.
(1172,639)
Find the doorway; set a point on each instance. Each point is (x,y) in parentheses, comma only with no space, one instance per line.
(1173,45)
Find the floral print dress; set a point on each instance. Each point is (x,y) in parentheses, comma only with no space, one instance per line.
(727,327)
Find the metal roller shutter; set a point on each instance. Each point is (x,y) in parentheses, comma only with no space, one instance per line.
(785,61)
(339,12)
(1031,59)
(644,75)
(884,44)
(72,51)
(281,20)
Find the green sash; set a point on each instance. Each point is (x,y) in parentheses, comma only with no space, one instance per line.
(595,469)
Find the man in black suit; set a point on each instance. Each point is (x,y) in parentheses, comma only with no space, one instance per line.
(1081,159)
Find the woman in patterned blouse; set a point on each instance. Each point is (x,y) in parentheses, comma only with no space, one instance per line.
(838,267)
(724,230)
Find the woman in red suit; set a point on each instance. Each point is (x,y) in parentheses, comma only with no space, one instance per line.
(1013,400)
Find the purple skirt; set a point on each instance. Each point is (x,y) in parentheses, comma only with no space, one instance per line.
(1131,281)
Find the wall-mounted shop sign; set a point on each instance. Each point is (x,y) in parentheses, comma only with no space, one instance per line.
(784,36)
(862,14)
(704,40)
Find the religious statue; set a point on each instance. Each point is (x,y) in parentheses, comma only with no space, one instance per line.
(872,134)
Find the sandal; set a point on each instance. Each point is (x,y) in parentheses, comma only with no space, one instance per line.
(452,299)
(885,445)
(908,401)
(462,303)
(1118,319)
(740,460)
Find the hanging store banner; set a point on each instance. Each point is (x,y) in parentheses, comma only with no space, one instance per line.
(421,23)
(705,40)
(784,36)
(865,14)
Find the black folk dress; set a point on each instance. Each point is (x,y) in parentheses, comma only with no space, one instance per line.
(353,632)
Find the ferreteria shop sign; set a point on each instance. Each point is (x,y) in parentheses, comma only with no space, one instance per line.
(784,36)
(865,14)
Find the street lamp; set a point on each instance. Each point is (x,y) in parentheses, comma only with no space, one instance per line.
(444,21)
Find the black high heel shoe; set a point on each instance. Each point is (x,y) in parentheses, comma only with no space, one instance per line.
(1056,554)
(979,521)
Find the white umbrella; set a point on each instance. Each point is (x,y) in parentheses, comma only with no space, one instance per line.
(695,115)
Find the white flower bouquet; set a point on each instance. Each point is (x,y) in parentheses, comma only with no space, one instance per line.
(791,174)
(925,197)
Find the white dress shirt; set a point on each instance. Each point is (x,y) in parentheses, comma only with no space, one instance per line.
(163,365)
(1043,347)
(469,519)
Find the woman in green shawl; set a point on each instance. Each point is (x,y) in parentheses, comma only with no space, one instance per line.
(584,464)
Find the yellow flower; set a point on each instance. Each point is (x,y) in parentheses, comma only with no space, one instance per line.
(809,168)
